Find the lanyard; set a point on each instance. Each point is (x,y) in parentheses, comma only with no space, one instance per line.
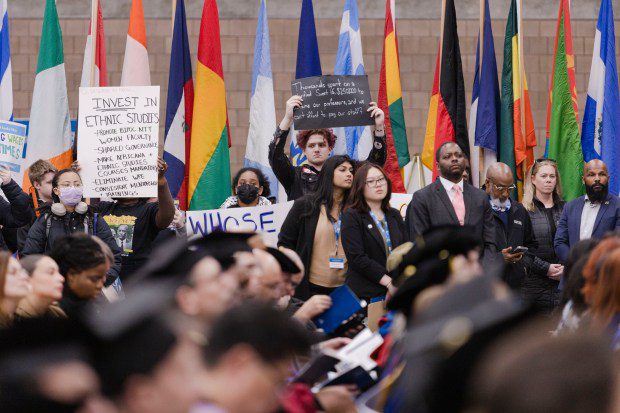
(336,226)
(385,231)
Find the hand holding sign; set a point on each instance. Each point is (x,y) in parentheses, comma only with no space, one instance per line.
(331,101)
(5,175)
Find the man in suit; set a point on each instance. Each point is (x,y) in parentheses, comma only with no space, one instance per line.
(591,215)
(513,227)
(450,200)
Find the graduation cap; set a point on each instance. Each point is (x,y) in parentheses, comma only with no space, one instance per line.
(176,257)
(286,264)
(427,263)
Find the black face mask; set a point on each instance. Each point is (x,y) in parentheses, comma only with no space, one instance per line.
(247,193)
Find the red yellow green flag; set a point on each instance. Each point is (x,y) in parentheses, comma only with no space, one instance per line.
(391,101)
(209,160)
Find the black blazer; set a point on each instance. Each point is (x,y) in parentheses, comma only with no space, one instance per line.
(297,233)
(431,207)
(365,250)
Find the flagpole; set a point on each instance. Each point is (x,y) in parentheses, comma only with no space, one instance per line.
(93,37)
(481,46)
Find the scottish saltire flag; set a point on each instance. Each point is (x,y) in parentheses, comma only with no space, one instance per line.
(308,63)
(179,107)
(601,119)
(262,103)
(6,76)
(354,141)
(485,103)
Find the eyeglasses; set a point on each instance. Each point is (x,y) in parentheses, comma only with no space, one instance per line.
(70,185)
(539,160)
(376,182)
(501,188)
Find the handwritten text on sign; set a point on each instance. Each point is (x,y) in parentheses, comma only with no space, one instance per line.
(265,219)
(332,101)
(118,138)
(12,140)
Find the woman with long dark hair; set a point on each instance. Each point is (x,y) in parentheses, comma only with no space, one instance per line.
(67,215)
(313,229)
(371,229)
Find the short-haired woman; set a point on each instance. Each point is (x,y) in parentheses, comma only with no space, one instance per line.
(250,187)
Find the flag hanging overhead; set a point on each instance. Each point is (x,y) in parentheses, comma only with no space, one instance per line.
(354,141)
(49,133)
(101,71)
(308,63)
(564,142)
(485,106)
(209,162)
(391,102)
(6,75)
(179,107)
(136,70)
(446,114)
(601,118)
(262,103)
(517,137)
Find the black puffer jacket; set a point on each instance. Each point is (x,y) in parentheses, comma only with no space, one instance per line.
(537,287)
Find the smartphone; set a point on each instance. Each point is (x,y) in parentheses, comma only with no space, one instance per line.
(517,250)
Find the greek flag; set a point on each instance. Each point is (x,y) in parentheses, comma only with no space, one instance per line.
(354,141)
(601,119)
(6,77)
(262,103)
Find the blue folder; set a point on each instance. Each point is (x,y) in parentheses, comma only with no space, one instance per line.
(344,304)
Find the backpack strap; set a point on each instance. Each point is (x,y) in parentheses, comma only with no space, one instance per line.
(95,222)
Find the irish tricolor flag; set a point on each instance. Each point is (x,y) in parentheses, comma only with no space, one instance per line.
(391,101)
(49,135)
(136,70)
(209,164)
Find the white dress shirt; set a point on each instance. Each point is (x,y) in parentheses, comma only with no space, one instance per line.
(448,185)
(588,217)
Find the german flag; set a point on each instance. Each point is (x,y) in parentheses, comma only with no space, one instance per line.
(209,159)
(517,138)
(447,120)
(391,101)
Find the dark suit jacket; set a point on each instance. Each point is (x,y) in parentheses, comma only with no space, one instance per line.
(567,234)
(365,250)
(297,233)
(431,207)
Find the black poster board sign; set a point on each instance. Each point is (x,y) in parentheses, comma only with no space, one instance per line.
(332,102)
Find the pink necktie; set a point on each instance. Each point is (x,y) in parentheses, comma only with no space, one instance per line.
(459,204)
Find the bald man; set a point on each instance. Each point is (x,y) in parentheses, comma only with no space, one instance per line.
(589,216)
(513,227)
(267,285)
(450,200)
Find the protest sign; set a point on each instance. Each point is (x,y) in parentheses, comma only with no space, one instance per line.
(118,138)
(264,219)
(12,143)
(332,101)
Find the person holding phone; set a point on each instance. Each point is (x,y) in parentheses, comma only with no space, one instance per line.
(513,228)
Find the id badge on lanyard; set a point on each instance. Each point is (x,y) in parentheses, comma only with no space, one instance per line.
(336,262)
(385,231)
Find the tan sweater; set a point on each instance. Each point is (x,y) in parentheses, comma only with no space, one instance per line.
(325,246)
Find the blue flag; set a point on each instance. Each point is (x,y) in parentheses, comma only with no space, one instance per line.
(262,104)
(179,108)
(308,62)
(485,106)
(354,141)
(601,118)
(6,77)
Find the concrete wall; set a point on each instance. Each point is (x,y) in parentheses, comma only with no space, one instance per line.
(418,38)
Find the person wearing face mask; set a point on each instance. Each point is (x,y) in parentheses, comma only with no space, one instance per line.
(14,286)
(514,236)
(250,188)
(67,215)
(316,144)
(47,285)
(589,216)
